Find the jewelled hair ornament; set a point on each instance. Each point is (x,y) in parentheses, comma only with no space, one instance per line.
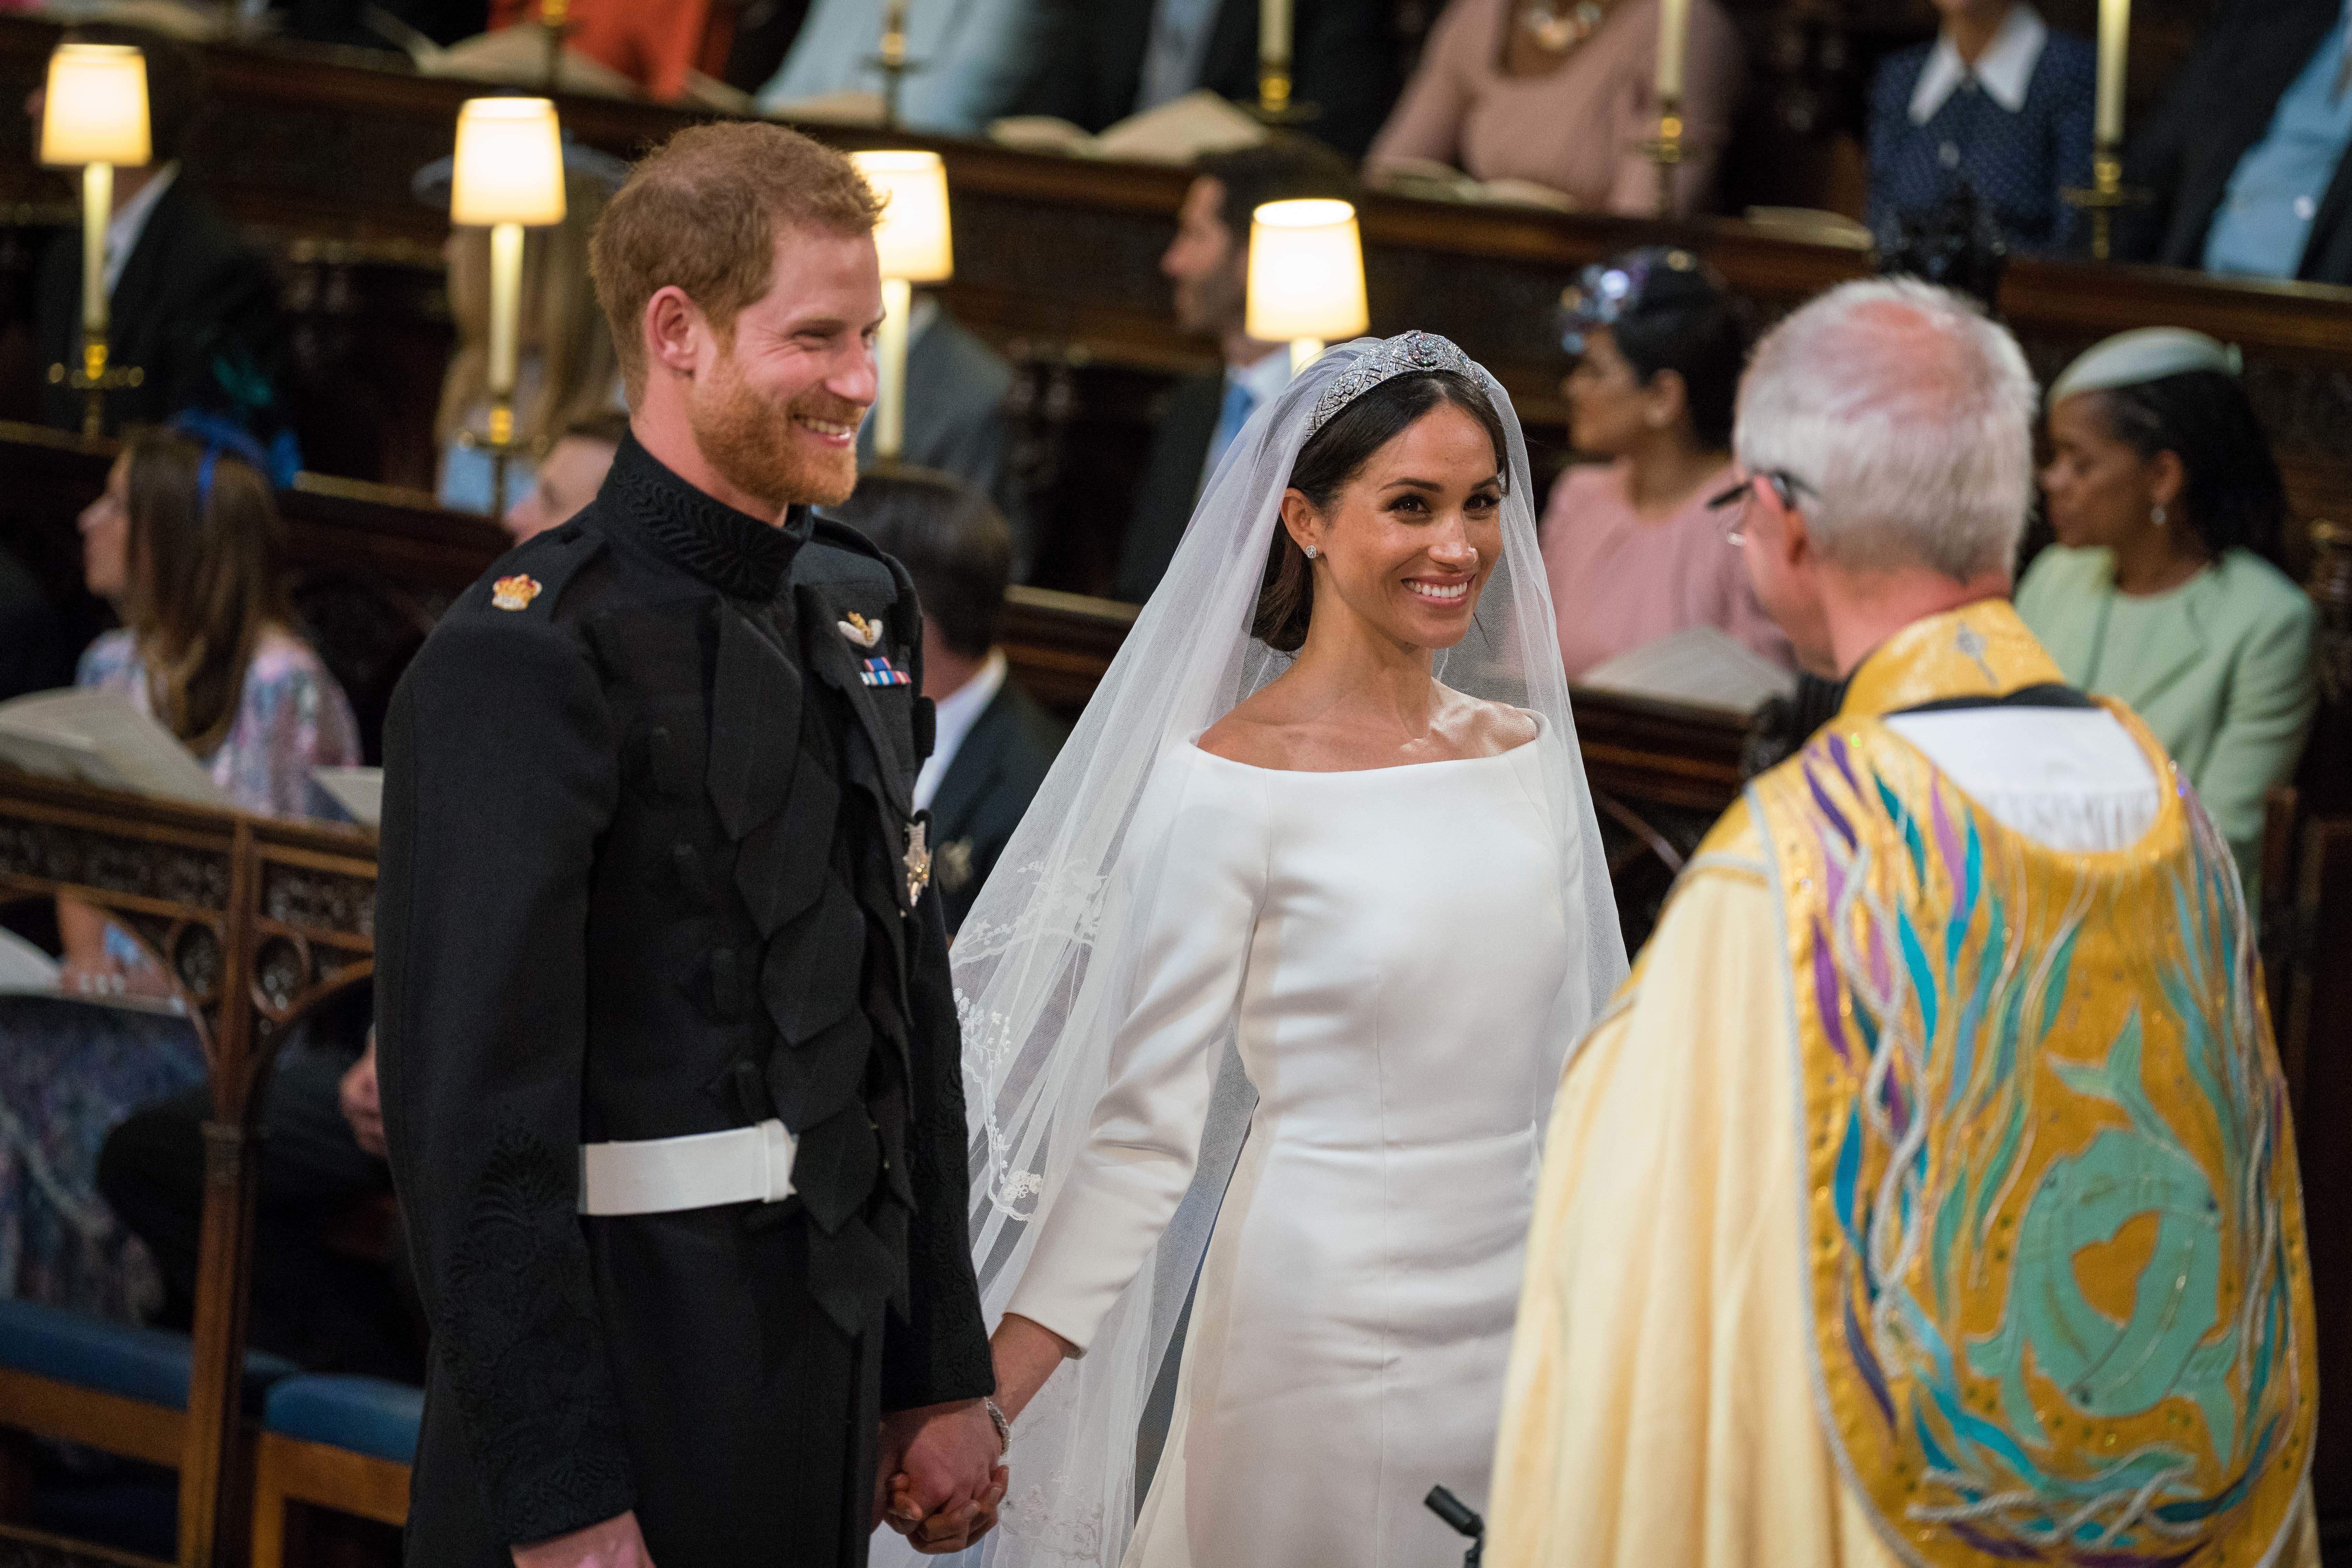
(1605,293)
(1408,353)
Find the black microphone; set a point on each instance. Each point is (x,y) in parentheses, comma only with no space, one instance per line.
(1460,1518)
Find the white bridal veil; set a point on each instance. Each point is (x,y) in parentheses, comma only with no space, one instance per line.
(1044,965)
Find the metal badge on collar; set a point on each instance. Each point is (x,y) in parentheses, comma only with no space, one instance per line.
(514,593)
(861,631)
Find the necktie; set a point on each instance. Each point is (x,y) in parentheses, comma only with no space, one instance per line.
(1231,416)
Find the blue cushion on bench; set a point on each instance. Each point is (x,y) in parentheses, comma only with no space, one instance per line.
(123,1358)
(365,1414)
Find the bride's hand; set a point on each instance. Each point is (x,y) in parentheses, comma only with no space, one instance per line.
(1025,1354)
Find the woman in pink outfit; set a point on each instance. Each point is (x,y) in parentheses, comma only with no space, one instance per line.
(1632,551)
(1562,93)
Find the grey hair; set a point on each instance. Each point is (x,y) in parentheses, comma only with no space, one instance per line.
(1906,414)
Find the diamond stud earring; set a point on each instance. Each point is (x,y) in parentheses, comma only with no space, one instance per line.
(1310,552)
(2156,516)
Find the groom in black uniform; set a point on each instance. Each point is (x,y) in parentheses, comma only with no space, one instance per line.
(668,1047)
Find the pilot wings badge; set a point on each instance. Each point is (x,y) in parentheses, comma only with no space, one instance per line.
(860,630)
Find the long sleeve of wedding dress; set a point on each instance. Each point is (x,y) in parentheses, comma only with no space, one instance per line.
(1388,951)
(1207,875)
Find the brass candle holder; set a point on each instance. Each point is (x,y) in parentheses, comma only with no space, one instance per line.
(555,21)
(2106,196)
(1667,151)
(94,378)
(1274,105)
(892,62)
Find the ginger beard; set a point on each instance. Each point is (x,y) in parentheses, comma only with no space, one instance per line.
(750,439)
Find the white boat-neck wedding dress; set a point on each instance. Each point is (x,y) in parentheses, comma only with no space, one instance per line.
(1391,947)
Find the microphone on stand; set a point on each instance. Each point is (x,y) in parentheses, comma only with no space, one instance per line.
(1460,1518)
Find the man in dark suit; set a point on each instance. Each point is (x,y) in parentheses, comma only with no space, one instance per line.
(1208,262)
(671,1075)
(2246,158)
(955,391)
(192,308)
(994,744)
(1105,61)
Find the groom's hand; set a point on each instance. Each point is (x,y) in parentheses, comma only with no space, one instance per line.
(615,1543)
(946,1456)
(952,1529)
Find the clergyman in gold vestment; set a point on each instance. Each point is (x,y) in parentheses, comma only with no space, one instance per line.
(1929,1195)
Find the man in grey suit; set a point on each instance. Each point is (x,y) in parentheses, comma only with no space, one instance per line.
(956,388)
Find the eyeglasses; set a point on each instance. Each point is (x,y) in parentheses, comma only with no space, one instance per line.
(1785,486)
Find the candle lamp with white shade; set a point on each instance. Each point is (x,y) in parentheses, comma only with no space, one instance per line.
(913,244)
(507,175)
(94,115)
(1305,277)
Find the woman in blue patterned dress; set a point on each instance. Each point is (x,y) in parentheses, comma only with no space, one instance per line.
(1999,102)
(184,544)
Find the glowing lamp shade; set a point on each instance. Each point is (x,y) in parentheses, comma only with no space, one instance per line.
(1306,272)
(913,238)
(510,164)
(95,109)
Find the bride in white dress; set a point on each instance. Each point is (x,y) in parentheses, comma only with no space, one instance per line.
(1284,968)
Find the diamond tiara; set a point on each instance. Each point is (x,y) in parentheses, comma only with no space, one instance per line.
(1408,353)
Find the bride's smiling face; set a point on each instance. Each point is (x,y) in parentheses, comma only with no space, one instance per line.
(1411,538)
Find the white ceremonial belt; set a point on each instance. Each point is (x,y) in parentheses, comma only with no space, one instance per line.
(700,1171)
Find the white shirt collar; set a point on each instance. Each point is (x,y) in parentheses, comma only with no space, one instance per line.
(2005,70)
(1266,379)
(957,711)
(123,229)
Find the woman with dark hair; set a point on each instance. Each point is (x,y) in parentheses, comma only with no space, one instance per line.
(1631,549)
(1319,863)
(2162,589)
(183,543)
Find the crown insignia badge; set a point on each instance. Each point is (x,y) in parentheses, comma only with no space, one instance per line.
(514,593)
(860,630)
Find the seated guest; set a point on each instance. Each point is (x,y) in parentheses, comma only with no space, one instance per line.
(2161,590)
(993,743)
(1103,63)
(955,391)
(319,1304)
(570,475)
(191,306)
(182,541)
(974,58)
(1633,551)
(654,43)
(565,368)
(1998,104)
(1564,95)
(1209,264)
(2246,156)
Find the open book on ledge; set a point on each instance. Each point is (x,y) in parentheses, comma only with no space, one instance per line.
(1177,132)
(98,738)
(1700,667)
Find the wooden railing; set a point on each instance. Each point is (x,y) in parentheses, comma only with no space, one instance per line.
(257,923)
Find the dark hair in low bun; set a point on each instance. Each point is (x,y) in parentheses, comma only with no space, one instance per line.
(2231,489)
(1337,454)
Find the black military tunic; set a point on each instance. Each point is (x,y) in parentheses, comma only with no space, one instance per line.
(650,867)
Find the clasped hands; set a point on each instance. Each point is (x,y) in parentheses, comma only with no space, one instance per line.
(940,1479)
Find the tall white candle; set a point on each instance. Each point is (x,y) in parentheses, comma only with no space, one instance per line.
(506,306)
(1274,32)
(97,212)
(2114,59)
(1674,34)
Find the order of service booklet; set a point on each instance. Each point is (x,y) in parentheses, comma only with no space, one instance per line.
(99,738)
(1702,666)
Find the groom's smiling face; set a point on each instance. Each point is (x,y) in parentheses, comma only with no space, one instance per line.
(1411,538)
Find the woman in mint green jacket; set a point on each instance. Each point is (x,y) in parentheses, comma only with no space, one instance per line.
(2161,591)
